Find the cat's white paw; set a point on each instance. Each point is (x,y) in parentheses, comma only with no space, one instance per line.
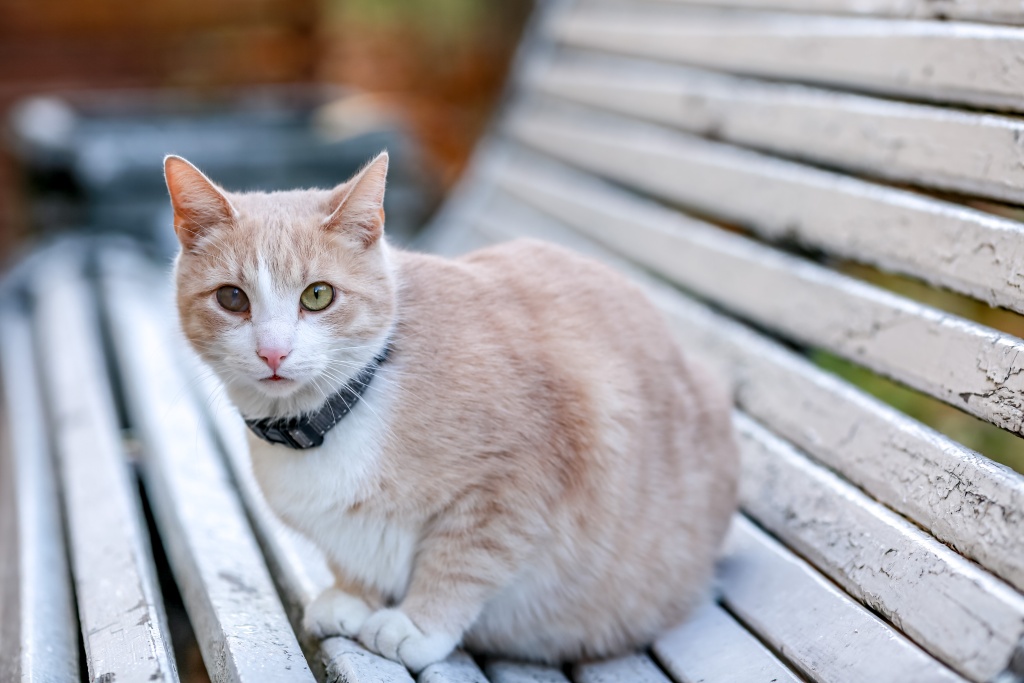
(390,633)
(335,613)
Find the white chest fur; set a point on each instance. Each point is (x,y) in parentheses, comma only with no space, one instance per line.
(313,491)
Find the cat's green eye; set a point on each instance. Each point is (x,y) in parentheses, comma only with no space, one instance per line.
(317,296)
(233,299)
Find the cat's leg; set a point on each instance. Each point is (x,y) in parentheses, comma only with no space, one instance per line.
(337,611)
(460,565)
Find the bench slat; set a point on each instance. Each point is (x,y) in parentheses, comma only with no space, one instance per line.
(637,668)
(822,631)
(500,671)
(38,628)
(998,11)
(239,621)
(960,614)
(457,668)
(962,498)
(969,366)
(348,661)
(124,628)
(930,146)
(713,647)
(940,61)
(968,251)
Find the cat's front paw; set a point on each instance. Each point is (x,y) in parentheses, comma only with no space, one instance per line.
(335,613)
(390,633)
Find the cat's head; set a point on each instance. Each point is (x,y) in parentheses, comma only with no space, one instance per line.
(286,295)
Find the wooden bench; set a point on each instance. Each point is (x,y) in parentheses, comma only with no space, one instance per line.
(869,547)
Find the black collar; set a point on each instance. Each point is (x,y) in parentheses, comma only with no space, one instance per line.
(307,431)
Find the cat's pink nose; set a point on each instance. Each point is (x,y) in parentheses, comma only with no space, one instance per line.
(273,357)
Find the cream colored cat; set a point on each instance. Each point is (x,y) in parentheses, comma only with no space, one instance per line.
(534,471)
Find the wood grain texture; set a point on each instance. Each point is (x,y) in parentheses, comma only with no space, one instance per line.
(959,496)
(964,617)
(240,624)
(968,251)
(124,627)
(346,661)
(930,146)
(972,367)
(636,668)
(944,62)
(823,632)
(713,646)
(39,630)
(996,11)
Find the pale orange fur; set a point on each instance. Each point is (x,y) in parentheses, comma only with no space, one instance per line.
(536,472)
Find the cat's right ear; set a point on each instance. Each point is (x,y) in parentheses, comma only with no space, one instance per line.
(199,205)
(358,204)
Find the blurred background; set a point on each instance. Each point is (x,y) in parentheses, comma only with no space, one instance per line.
(259,93)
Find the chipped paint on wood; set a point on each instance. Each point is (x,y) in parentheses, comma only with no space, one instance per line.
(124,628)
(820,629)
(996,11)
(969,620)
(970,366)
(968,251)
(940,61)
(934,147)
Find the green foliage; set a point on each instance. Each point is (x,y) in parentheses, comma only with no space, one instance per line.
(443,19)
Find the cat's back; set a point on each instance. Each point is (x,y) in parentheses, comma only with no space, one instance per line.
(537,282)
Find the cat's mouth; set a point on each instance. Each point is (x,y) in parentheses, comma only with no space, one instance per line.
(276,378)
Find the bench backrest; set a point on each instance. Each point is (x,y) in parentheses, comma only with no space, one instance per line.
(757,163)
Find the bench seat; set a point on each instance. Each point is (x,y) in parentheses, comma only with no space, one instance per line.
(733,157)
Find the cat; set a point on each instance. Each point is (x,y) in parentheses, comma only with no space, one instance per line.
(534,469)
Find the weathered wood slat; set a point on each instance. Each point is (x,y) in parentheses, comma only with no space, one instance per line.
(962,498)
(926,145)
(972,367)
(945,62)
(713,647)
(500,671)
(38,628)
(457,668)
(823,632)
(124,627)
(637,668)
(996,11)
(240,624)
(948,245)
(346,661)
(963,616)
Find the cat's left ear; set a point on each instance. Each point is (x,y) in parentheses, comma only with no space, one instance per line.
(358,204)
